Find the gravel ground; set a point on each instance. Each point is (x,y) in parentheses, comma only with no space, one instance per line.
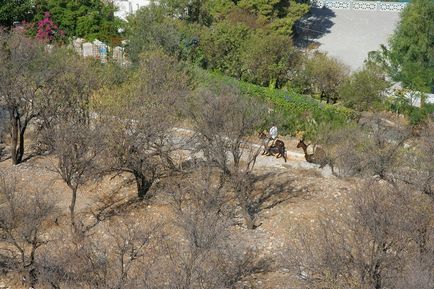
(298,194)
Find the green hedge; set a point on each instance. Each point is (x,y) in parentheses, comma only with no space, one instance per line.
(292,111)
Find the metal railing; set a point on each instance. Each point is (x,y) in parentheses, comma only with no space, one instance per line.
(360,5)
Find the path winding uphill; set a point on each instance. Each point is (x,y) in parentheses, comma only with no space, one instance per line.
(347,35)
(295,157)
(295,160)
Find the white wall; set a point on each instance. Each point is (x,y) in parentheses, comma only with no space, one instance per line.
(127,7)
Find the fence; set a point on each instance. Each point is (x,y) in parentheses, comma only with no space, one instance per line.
(360,5)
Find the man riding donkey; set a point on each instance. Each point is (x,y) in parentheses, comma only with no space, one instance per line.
(272,145)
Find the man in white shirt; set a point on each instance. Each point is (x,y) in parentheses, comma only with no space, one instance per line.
(273,134)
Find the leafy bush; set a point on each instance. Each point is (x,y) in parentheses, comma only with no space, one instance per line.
(268,59)
(322,75)
(400,103)
(417,115)
(363,90)
(222,45)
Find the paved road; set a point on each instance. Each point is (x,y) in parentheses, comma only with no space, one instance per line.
(348,35)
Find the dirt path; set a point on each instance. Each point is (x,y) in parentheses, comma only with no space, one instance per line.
(295,157)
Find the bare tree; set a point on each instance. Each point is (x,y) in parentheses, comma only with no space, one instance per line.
(138,119)
(427,160)
(222,119)
(65,126)
(117,256)
(76,147)
(24,223)
(376,148)
(418,164)
(209,255)
(70,94)
(368,247)
(26,75)
(385,148)
(418,273)
(131,245)
(3,130)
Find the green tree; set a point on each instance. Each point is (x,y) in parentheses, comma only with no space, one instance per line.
(89,19)
(192,11)
(278,15)
(149,29)
(267,59)
(272,15)
(412,47)
(266,8)
(218,9)
(15,10)
(362,91)
(218,35)
(222,47)
(321,75)
(284,25)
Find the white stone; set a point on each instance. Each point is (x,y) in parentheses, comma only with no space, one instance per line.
(87,49)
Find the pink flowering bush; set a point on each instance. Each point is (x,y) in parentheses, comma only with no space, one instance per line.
(47,30)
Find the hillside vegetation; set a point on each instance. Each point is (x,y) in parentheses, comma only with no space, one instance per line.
(155,175)
(293,111)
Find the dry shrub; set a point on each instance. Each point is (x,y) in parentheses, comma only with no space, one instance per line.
(374,245)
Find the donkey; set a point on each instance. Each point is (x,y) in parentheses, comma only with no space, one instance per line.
(277,149)
(318,157)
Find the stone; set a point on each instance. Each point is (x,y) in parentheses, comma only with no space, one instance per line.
(87,49)
(77,45)
(118,54)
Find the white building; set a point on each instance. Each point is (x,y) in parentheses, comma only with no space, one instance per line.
(128,7)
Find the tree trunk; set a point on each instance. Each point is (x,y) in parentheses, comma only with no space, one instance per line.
(242,188)
(422,240)
(72,208)
(14,137)
(54,285)
(248,218)
(17,136)
(33,278)
(143,185)
(377,276)
(20,149)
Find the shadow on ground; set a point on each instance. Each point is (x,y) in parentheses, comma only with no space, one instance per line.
(273,188)
(313,26)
